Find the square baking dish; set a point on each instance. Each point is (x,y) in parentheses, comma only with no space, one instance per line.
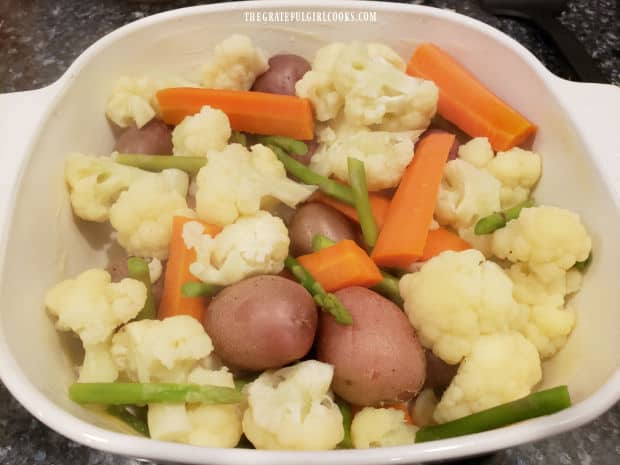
(578,128)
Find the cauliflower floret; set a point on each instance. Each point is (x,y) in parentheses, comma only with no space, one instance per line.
(477,184)
(197,424)
(549,239)
(455,298)
(235,64)
(517,170)
(96,182)
(131,101)
(250,246)
(466,193)
(293,408)
(198,134)
(236,181)
(155,270)
(92,306)
(424,407)
(142,215)
(549,323)
(160,351)
(385,155)
(368,82)
(214,425)
(381,427)
(98,365)
(477,151)
(501,368)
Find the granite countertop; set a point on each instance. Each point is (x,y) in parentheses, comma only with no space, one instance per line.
(40,38)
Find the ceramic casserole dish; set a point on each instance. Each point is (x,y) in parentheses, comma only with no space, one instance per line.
(41,243)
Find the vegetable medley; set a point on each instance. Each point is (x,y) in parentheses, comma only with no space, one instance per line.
(337,254)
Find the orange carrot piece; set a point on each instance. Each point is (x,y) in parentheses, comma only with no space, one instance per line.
(253,112)
(464,101)
(403,237)
(177,273)
(439,240)
(378,203)
(341,265)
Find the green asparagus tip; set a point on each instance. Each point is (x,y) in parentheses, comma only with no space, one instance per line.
(197,289)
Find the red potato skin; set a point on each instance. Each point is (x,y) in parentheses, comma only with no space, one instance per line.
(154,138)
(284,71)
(315,218)
(376,359)
(262,322)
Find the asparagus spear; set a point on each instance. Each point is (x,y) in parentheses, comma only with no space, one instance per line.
(190,165)
(357,179)
(137,268)
(387,288)
(535,405)
(149,393)
(196,289)
(347,418)
(287,144)
(328,302)
(136,420)
(498,220)
(306,175)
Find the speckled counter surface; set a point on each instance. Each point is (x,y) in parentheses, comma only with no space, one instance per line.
(39,39)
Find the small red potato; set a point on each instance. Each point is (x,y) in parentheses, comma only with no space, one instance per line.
(376,359)
(154,138)
(284,71)
(315,218)
(261,322)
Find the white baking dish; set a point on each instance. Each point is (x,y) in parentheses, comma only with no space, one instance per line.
(578,137)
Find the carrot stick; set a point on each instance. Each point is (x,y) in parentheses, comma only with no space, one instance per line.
(177,273)
(464,101)
(439,240)
(253,112)
(403,237)
(341,265)
(378,203)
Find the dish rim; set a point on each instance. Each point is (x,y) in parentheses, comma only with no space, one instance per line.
(85,433)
